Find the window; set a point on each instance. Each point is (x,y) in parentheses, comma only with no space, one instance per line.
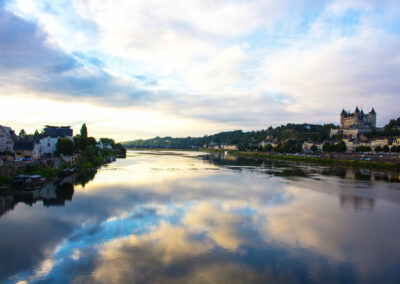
(48,144)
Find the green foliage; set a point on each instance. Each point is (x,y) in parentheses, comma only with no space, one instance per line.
(22,133)
(107,141)
(378,149)
(314,148)
(340,147)
(65,146)
(242,147)
(268,148)
(65,191)
(5,180)
(363,149)
(326,147)
(84,131)
(297,133)
(395,149)
(44,172)
(393,124)
(91,141)
(385,148)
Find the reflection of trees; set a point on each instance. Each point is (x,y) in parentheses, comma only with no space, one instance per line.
(301,169)
(52,194)
(65,191)
(83,177)
(357,202)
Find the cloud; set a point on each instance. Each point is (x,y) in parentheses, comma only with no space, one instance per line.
(30,62)
(225,64)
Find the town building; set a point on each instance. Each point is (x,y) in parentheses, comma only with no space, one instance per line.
(230,147)
(307,146)
(383,141)
(50,136)
(351,145)
(396,141)
(352,125)
(100,145)
(27,148)
(7,139)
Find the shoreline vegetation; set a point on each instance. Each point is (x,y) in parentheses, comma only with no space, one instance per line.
(86,161)
(82,152)
(386,165)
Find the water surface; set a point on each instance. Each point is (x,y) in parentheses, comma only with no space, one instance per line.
(188,217)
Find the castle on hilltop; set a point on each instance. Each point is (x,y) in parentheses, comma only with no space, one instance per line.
(352,125)
(358,119)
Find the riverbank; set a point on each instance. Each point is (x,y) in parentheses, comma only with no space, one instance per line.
(348,162)
(87,160)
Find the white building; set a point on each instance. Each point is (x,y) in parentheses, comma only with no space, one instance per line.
(50,137)
(100,145)
(380,142)
(230,147)
(351,145)
(307,146)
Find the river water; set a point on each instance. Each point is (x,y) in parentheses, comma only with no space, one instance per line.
(188,217)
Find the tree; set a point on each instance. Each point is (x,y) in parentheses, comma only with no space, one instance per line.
(84,131)
(36,134)
(341,147)
(107,141)
(65,146)
(378,149)
(260,148)
(385,148)
(395,149)
(22,133)
(268,148)
(91,141)
(326,147)
(298,148)
(80,143)
(314,148)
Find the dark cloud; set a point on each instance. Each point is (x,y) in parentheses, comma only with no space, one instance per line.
(26,59)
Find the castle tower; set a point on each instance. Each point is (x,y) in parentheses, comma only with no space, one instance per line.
(342,116)
(372,114)
(357,117)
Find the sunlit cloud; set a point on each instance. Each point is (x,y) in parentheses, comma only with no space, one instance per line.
(212,65)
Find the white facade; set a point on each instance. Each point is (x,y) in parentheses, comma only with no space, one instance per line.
(48,145)
(230,147)
(351,145)
(307,146)
(100,145)
(380,142)
(37,151)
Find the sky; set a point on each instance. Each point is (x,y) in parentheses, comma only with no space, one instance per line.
(139,69)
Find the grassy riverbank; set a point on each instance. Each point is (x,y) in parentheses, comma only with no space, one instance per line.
(318,160)
(87,160)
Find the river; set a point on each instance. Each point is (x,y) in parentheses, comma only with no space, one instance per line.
(192,217)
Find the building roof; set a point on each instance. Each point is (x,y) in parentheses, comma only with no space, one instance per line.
(24,145)
(55,132)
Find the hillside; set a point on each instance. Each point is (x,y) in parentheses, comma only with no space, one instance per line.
(295,132)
